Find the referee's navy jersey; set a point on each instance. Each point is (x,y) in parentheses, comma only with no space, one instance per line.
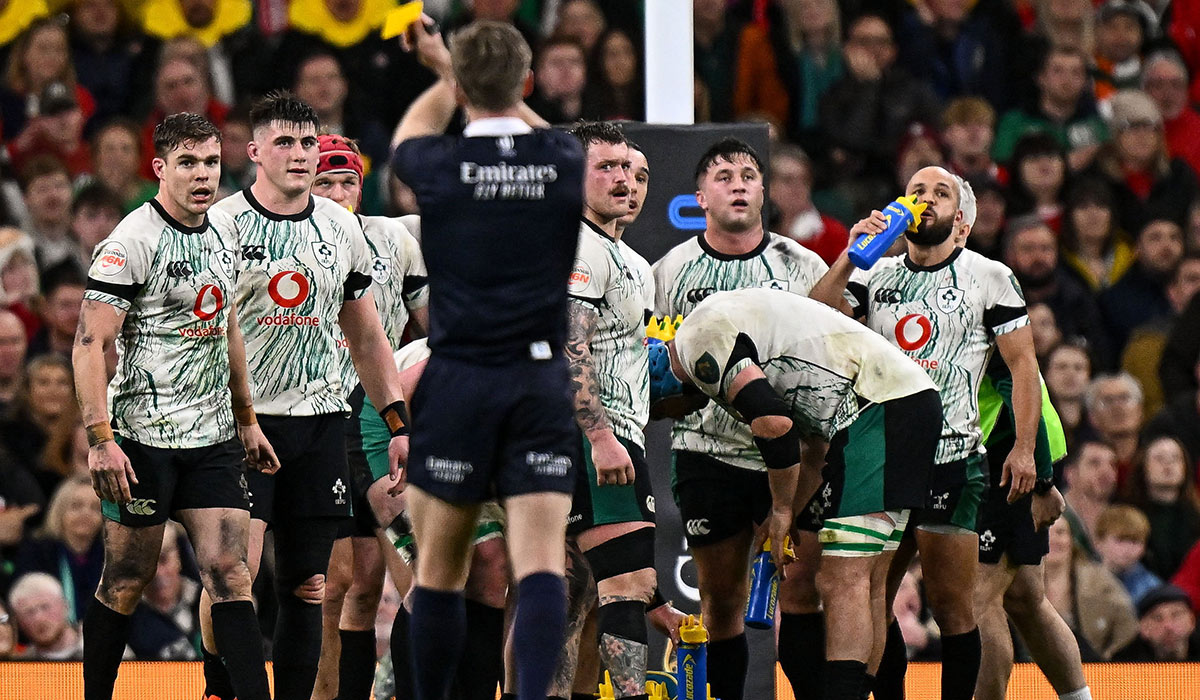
(500,209)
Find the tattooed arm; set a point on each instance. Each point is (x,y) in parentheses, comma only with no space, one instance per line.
(109,467)
(609,456)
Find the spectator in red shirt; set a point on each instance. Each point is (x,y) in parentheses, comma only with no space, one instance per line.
(791,195)
(56,130)
(38,57)
(180,85)
(1164,78)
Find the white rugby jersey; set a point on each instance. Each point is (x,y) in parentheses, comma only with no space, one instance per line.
(642,272)
(398,283)
(296,272)
(174,283)
(692,271)
(605,281)
(946,318)
(825,365)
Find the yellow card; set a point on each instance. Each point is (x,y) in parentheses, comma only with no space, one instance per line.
(400,19)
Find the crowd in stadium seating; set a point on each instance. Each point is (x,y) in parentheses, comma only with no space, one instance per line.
(1076,121)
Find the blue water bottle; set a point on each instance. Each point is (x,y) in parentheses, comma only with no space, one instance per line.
(764,591)
(691,660)
(902,214)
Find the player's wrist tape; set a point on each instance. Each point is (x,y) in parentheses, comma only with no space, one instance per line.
(396,417)
(1043,486)
(244,415)
(782,451)
(99,433)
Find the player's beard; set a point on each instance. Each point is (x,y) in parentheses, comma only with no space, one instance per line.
(932,233)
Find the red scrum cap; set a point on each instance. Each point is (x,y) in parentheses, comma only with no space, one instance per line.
(337,155)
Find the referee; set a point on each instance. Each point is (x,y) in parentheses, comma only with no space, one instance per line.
(499,215)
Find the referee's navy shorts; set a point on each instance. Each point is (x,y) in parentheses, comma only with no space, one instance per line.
(492,431)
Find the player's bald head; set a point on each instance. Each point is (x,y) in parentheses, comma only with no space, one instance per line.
(933,175)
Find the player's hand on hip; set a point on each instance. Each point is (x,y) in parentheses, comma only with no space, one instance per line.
(613,464)
(111,472)
(1047,508)
(259,453)
(397,460)
(1020,473)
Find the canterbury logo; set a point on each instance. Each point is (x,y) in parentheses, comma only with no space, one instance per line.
(141,506)
(289,289)
(179,268)
(699,526)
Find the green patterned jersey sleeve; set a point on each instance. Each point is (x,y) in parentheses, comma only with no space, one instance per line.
(358,279)
(1004,302)
(416,278)
(120,267)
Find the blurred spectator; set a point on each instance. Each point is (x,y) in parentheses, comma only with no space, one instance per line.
(968,130)
(1180,418)
(45,393)
(920,148)
(40,610)
(1191,234)
(1163,486)
(56,130)
(66,452)
(321,83)
(991,206)
(1067,23)
(1038,179)
(95,212)
(559,75)
(1122,28)
(791,194)
(581,19)
(21,501)
(1090,599)
(494,10)
(737,63)
(1068,371)
(46,185)
(12,356)
(69,546)
(1046,335)
(233,49)
(1031,251)
(60,314)
(15,18)
(110,56)
(1121,534)
(1166,629)
(179,86)
(1062,107)
(38,57)
(809,53)
(1188,576)
(237,170)
(1093,246)
(1164,78)
(1144,351)
(166,626)
(1091,477)
(922,639)
(1141,293)
(1115,412)
(118,161)
(866,114)
(19,282)
(1184,31)
(961,47)
(1147,182)
(8,634)
(615,83)
(1181,355)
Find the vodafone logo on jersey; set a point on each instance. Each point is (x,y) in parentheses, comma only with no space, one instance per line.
(913,331)
(209,302)
(289,289)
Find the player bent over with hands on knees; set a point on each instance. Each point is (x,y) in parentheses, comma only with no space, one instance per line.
(163,283)
(498,250)
(827,379)
(947,308)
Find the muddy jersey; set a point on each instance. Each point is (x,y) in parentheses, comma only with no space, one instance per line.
(605,281)
(946,318)
(692,271)
(826,367)
(296,272)
(174,283)
(398,283)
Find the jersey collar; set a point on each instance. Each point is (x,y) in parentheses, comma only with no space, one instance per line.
(298,216)
(932,268)
(713,252)
(497,126)
(596,228)
(175,223)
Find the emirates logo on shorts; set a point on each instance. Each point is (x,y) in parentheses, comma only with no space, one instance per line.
(209,302)
(288,289)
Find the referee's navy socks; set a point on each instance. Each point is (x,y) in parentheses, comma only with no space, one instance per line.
(437,634)
(105,633)
(889,679)
(802,652)
(356,664)
(960,665)
(236,631)
(538,632)
(728,660)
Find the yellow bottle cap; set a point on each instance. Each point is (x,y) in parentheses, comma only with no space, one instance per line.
(910,203)
(400,19)
(692,631)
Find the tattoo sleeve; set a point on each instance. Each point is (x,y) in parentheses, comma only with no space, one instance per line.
(625,660)
(581,326)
